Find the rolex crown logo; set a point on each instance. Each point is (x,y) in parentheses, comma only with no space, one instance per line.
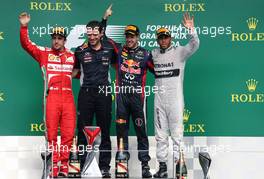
(252,23)
(251,85)
(186,115)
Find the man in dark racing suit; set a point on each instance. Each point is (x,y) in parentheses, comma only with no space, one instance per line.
(131,69)
(133,62)
(93,60)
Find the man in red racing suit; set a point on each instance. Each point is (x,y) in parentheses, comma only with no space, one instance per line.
(60,108)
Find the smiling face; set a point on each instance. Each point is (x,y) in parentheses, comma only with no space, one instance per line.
(164,41)
(58,42)
(131,41)
(94,36)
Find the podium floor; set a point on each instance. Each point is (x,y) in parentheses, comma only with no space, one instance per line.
(232,157)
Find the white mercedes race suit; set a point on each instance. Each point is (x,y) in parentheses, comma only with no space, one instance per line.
(169,101)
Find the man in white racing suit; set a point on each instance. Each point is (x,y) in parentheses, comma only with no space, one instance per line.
(169,63)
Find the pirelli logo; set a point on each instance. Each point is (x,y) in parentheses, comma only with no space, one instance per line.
(50,6)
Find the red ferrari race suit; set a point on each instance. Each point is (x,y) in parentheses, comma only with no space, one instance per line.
(60,108)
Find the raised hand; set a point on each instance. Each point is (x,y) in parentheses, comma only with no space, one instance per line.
(188,21)
(24,19)
(108,12)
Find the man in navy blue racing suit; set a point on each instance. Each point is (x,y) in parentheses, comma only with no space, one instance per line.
(131,68)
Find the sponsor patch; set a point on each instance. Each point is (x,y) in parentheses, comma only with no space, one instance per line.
(60,68)
(53,58)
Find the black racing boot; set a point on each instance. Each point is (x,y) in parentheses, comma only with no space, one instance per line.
(105,173)
(162,173)
(145,170)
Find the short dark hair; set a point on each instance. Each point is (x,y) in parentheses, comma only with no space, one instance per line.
(61,31)
(52,35)
(95,23)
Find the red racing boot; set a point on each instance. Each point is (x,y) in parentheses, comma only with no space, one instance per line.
(55,171)
(63,170)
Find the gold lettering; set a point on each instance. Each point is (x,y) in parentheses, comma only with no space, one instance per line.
(42,127)
(260,36)
(37,127)
(244,37)
(234,97)
(250,100)
(59,6)
(200,128)
(67,7)
(192,7)
(251,38)
(247,98)
(260,98)
(184,7)
(201,7)
(33,6)
(42,6)
(235,37)
(243,98)
(192,128)
(50,7)
(34,128)
(168,7)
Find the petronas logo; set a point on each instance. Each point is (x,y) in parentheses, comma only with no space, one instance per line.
(186,115)
(251,85)
(252,23)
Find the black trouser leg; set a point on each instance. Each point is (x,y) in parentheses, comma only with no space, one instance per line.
(138,117)
(122,121)
(85,118)
(103,109)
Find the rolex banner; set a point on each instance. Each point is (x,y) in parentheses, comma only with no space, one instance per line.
(223,79)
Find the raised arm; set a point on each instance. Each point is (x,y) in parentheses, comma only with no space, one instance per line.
(194,42)
(26,43)
(107,14)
